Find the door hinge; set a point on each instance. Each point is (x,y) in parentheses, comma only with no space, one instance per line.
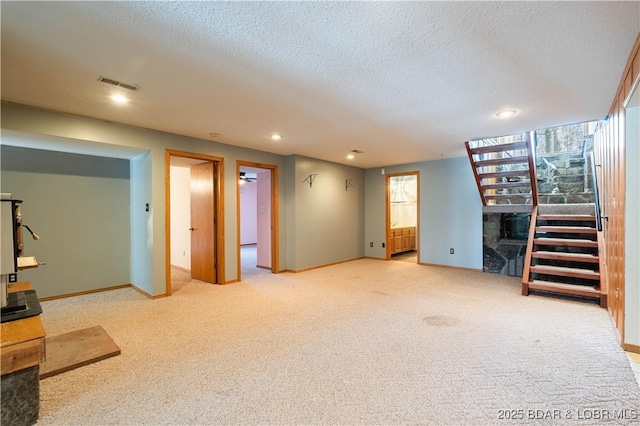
(617,293)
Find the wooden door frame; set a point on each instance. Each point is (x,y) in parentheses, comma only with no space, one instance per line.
(388,211)
(275,243)
(218,179)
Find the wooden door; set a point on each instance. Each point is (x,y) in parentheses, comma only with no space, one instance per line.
(203,248)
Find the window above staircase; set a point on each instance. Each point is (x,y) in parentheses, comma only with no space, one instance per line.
(563,170)
(546,166)
(504,169)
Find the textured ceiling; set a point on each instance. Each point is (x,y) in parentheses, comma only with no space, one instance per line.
(401,81)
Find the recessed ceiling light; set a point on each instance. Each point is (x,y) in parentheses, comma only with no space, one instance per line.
(119,99)
(350,157)
(506,113)
(276,137)
(214,134)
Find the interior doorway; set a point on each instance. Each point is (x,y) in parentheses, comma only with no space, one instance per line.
(193,191)
(257,186)
(403,201)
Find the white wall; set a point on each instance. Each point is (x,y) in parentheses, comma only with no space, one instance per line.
(329,220)
(248,213)
(318,226)
(632,228)
(289,174)
(180,193)
(264,219)
(375,216)
(79,205)
(324,231)
(142,226)
(450,212)
(148,228)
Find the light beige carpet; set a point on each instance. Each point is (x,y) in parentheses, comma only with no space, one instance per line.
(179,278)
(249,262)
(365,342)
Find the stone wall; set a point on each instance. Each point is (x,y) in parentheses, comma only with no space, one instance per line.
(504,242)
(565,178)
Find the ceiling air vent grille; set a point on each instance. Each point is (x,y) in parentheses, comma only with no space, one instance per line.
(118,83)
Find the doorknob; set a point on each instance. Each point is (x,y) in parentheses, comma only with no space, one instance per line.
(192,229)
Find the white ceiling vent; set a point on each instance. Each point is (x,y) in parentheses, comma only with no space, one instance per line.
(118,83)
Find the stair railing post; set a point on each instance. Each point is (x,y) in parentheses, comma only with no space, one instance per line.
(596,192)
(528,256)
(532,169)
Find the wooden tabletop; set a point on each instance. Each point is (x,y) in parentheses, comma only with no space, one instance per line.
(23,340)
(21,330)
(19,286)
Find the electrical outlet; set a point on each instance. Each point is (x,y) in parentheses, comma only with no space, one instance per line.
(451,251)
(371,244)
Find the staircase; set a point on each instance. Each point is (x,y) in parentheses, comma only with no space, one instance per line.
(563,252)
(504,172)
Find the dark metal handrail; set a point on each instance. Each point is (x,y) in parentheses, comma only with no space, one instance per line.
(596,192)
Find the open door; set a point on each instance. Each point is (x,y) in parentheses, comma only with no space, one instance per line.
(403,216)
(199,217)
(263,256)
(203,248)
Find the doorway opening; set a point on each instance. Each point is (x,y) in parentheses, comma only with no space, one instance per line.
(194,218)
(257,186)
(403,201)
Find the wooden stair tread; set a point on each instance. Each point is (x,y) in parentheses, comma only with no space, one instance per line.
(566,229)
(573,289)
(565,242)
(499,147)
(567,217)
(575,281)
(506,196)
(572,257)
(506,185)
(565,271)
(510,173)
(502,161)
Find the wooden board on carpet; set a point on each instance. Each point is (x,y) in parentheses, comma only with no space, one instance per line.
(76,349)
